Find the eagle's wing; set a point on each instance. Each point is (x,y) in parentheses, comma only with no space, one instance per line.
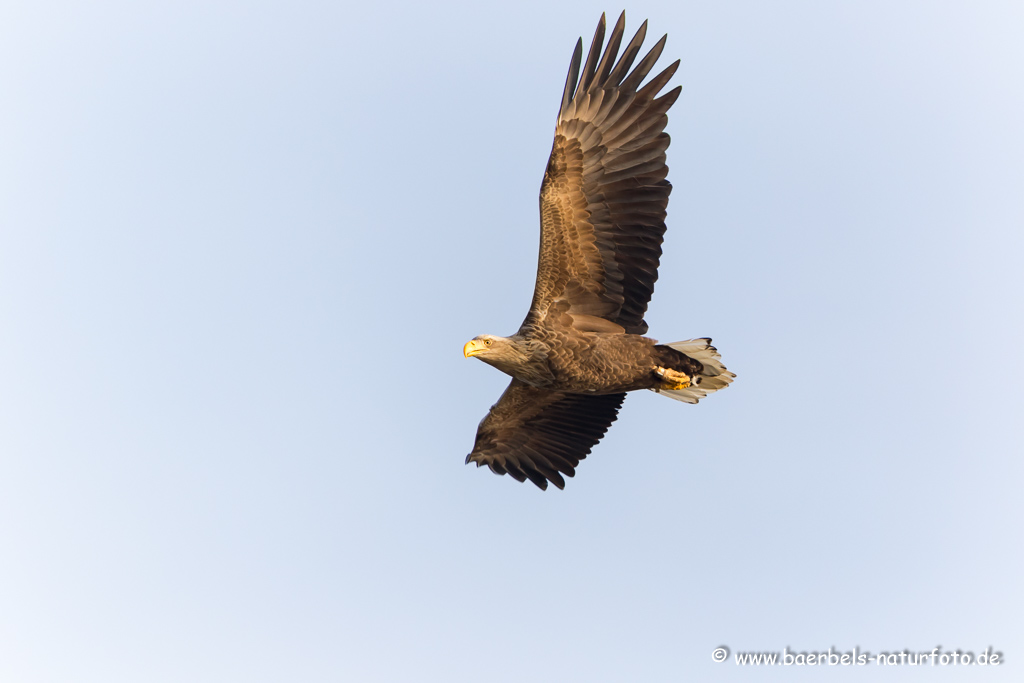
(604,195)
(540,435)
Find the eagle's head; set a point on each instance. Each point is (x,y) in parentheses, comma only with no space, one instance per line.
(489,348)
(506,354)
(522,358)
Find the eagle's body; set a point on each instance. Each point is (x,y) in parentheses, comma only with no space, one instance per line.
(581,362)
(582,345)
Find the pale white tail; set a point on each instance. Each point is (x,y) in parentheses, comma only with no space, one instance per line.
(713,378)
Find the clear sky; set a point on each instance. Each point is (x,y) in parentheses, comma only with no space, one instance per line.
(242,245)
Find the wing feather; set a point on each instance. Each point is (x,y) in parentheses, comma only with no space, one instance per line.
(595,49)
(632,82)
(574,72)
(608,59)
(629,54)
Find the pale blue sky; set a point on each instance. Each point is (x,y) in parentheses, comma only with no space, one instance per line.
(242,244)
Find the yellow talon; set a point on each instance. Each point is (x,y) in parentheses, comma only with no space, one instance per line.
(672,380)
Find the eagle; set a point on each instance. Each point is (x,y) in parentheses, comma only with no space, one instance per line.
(603,204)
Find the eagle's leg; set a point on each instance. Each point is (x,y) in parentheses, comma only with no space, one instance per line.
(671,380)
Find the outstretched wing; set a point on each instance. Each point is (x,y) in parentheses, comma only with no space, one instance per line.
(604,195)
(540,435)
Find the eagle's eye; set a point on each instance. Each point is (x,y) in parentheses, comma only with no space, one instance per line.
(487,342)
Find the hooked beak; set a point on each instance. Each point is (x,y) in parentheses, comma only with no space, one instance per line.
(472,347)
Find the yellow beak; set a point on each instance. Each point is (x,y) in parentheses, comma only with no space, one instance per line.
(472,347)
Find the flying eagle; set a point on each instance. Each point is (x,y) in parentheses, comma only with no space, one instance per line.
(602,220)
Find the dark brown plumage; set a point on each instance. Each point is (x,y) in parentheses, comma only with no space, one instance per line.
(603,206)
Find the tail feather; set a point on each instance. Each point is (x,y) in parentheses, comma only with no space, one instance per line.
(714,376)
